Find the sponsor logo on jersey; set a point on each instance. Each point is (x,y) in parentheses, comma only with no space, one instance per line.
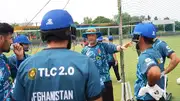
(147,60)
(52,72)
(32,73)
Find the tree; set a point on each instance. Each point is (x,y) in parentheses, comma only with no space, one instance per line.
(166,18)
(155,18)
(149,17)
(76,23)
(14,24)
(126,18)
(177,25)
(142,17)
(135,19)
(87,20)
(101,19)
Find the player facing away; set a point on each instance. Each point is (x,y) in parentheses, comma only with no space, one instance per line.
(6,32)
(113,62)
(149,84)
(57,73)
(98,52)
(24,42)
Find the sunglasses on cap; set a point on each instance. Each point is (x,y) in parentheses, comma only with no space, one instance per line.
(91,30)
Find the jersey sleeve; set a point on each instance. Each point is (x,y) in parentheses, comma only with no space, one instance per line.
(18,88)
(93,84)
(146,63)
(110,48)
(165,49)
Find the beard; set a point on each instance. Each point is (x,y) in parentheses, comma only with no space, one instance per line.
(6,50)
(26,49)
(92,42)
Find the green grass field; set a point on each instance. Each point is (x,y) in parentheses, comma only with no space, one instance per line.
(130,68)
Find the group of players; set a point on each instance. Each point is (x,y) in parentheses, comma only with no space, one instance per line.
(58,74)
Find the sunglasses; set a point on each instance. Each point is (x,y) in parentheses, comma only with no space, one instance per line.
(136,38)
(91,30)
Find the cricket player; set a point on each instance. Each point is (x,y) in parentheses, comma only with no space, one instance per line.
(24,42)
(98,52)
(149,84)
(56,73)
(165,51)
(100,39)
(6,32)
(113,62)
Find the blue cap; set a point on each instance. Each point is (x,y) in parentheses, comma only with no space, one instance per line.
(110,38)
(100,38)
(92,31)
(22,39)
(56,19)
(145,29)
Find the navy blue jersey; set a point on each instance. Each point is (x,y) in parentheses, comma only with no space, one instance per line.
(147,59)
(57,75)
(13,64)
(99,54)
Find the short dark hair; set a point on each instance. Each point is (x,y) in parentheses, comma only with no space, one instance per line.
(148,40)
(56,35)
(6,29)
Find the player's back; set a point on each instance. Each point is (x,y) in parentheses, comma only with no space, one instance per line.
(57,75)
(163,48)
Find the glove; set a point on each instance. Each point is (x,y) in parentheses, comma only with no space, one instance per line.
(156,92)
(143,91)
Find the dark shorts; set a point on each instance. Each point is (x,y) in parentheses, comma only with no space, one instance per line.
(108,91)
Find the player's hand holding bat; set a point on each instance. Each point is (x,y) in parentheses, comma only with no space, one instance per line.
(18,50)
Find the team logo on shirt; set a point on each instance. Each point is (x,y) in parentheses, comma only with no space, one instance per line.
(98,58)
(160,60)
(32,73)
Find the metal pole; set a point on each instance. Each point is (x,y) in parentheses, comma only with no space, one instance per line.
(121,52)
(108,31)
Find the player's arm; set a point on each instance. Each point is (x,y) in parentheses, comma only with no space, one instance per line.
(153,75)
(115,59)
(111,48)
(174,61)
(149,68)
(114,56)
(93,84)
(119,47)
(168,52)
